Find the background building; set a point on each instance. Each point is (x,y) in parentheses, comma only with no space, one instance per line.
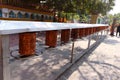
(18,10)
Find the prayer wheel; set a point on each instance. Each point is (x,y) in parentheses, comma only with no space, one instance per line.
(81,32)
(96,29)
(92,30)
(89,31)
(27,44)
(74,34)
(51,38)
(65,35)
(86,31)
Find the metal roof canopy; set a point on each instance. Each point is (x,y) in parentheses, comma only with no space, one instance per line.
(12,27)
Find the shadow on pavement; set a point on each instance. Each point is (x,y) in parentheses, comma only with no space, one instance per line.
(111,41)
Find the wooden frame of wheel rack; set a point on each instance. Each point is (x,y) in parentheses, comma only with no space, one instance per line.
(27,37)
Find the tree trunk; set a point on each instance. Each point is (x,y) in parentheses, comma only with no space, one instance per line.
(93,18)
(112,27)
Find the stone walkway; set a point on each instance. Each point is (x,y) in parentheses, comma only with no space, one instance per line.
(49,64)
(101,64)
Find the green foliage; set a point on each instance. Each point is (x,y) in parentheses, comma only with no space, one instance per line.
(111,17)
(77,17)
(117,16)
(72,6)
(81,7)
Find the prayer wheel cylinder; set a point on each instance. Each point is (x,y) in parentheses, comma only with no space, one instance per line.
(86,31)
(74,34)
(81,32)
(92,30)
(89,31)
(51,38)
(27,44)
(65,35)
(96,29)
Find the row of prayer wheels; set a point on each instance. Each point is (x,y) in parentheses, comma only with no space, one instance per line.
(27,41)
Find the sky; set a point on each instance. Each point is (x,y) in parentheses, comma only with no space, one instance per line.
(116,8)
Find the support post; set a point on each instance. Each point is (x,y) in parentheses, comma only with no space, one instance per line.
(89,41)
(97,36)
(72,52)
(105,31)
(101,33)
(4,58)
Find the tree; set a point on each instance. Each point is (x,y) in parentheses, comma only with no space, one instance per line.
(82,7)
